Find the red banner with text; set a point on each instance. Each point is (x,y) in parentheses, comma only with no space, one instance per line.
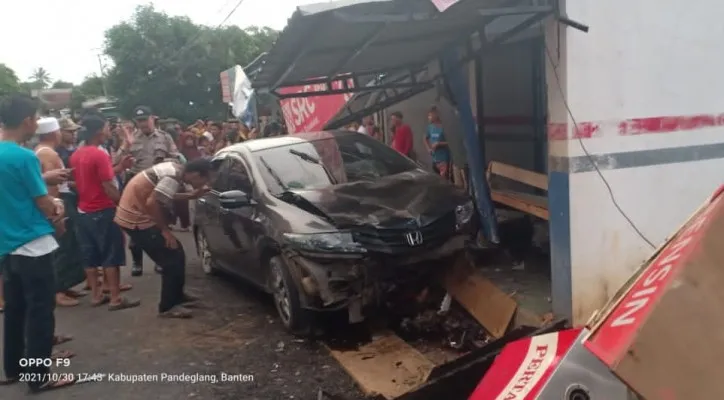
(310,114)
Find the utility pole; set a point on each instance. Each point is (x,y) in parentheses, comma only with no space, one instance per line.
(103,76)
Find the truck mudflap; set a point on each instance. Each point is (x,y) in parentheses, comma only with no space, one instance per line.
(552,366)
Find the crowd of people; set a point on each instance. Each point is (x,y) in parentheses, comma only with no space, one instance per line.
(74,194)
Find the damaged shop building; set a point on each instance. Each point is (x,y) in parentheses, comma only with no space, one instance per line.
(603,138)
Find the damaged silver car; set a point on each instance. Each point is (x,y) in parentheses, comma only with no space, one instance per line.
(327,221)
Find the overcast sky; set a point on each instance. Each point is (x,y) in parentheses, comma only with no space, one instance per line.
(64,37)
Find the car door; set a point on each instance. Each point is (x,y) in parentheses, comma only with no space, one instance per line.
(239,224)
(209,210)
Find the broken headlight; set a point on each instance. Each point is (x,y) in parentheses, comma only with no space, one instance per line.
(333,242)
(464,213)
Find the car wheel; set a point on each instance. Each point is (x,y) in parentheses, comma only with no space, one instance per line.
(286,298)
(207,262)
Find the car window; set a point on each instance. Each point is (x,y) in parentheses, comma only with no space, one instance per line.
(238,176)
(220,175)
(335,159)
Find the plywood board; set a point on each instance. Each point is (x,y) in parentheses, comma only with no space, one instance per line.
(527,203)
(387,366)
(517,174)
(490,306)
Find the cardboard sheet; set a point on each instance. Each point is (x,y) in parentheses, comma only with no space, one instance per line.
(387,366)
(490,306)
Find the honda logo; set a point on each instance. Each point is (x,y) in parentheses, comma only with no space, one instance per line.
(414,238)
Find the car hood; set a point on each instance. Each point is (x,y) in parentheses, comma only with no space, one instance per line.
(410,198)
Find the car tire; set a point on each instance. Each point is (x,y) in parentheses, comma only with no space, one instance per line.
(207,261)
(285,291)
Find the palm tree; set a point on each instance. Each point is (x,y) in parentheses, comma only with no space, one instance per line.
(40,78)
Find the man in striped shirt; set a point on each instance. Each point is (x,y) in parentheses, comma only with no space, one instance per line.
(143,211)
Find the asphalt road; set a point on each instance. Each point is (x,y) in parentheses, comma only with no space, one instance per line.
(237,335)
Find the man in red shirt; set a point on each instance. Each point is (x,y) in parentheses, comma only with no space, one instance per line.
(402,139)
(101,240)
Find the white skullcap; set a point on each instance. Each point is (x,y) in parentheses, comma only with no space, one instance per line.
(208,136)
(47,125)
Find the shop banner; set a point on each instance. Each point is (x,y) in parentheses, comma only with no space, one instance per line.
(443,5)
(311,114)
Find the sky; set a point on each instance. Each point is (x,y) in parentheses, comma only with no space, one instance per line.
(65,37)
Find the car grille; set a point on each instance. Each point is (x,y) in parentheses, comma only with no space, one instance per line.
(394,240)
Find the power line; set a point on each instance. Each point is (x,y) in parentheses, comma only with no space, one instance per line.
(590,157)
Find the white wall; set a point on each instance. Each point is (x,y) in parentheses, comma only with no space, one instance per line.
(642,59)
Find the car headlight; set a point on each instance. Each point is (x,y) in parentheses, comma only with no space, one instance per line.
(464,213)
(333,242)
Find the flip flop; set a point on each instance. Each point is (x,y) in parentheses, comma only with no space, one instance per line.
(69,302)
(60,339)
(55,384)
(177,312)
(104,300)
(124,304)
(75,294)
(62,354)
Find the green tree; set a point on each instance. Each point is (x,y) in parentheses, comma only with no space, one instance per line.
(40,79)
(172,65)
(61,85)
(9,82)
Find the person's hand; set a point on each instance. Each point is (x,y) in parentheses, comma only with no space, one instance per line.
(200,192)
(59,213)
(127,161)
(170,239)
(126,135)
(56,176)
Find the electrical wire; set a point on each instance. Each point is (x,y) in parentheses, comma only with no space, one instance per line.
(590,157)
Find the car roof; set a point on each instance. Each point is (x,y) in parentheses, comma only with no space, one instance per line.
(279,141)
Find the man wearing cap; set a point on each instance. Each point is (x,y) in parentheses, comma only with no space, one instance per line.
(67,146)
(68,270)
(147,145)
(101,240)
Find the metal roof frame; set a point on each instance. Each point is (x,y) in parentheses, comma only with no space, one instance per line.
(383,26)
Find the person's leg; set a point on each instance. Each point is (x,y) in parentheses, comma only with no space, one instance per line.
(173,262)
(2,295)
(113,256)
(14,319)
(182,211)
(90,255)
(137,257)
(38,282)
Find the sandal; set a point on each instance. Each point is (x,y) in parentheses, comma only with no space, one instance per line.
(103,300)
(124,304)
(177,312)
(55,384)
(65,301)
(75,294)
(60,354)
(60,339)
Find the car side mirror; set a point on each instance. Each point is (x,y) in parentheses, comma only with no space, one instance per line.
(234,199)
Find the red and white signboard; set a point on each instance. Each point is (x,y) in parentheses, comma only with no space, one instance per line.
(522,369)
(311,114)
(443,5)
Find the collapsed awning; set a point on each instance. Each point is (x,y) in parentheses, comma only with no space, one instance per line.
(357,40)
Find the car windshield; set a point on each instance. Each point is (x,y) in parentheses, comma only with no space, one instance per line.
(329,160)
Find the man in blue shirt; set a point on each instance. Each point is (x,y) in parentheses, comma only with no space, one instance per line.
(437,145)
(28,219)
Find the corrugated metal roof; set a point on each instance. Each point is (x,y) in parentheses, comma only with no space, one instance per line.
(365,36)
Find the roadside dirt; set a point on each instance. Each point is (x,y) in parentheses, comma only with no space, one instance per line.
(237,334)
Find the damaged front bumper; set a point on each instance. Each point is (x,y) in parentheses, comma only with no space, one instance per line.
(331,282)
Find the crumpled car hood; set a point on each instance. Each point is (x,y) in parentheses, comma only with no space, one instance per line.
(402,200)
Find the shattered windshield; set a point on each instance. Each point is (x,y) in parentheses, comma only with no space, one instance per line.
(328,161)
